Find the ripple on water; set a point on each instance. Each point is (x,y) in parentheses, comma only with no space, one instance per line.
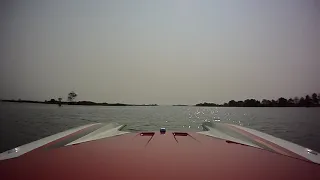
(24,126)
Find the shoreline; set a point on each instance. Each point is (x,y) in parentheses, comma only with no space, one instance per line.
(205,104)
(82,103)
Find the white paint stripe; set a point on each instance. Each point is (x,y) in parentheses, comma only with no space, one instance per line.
(221,135)
(302,151)
(18,151)
(108,130)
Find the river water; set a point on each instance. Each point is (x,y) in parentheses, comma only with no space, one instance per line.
(24,123)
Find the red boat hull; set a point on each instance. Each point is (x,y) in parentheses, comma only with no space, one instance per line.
(155,156)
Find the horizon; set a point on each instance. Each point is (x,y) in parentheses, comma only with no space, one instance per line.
(174,104)
(161,52)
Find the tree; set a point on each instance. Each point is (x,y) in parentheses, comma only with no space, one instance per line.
(290,102)
(266,103)
(315,99)
(296,100)
(59,99)
(232,103)
(282,102)
(308,101)
(251,103)
(240,103)
(72,95)
(302,102)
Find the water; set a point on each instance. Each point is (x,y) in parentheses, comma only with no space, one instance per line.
(24,123)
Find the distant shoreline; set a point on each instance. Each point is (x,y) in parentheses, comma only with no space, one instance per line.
(307,101)
(83,103)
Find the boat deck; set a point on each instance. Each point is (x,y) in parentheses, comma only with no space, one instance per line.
(152,155)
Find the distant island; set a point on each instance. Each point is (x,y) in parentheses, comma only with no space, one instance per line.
(71,97)
(307,101)
(85,103)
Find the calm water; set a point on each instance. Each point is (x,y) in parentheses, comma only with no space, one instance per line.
(23,123)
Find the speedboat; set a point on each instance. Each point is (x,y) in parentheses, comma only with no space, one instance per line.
(106,151)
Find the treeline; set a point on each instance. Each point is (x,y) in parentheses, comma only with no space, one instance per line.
(90,103)
(205,104)
(307,101)
(84,103)
(71,101)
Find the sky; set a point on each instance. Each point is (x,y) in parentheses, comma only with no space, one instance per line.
(164,52)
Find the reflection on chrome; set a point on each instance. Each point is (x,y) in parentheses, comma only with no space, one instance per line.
(312,152)
(13,150)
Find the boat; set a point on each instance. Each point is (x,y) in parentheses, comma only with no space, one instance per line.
(108,151)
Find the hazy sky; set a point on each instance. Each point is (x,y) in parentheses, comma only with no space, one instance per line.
(165,51)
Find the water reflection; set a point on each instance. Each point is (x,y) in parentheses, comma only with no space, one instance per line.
(300,125)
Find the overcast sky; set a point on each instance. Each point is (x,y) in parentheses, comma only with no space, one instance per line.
(165,51)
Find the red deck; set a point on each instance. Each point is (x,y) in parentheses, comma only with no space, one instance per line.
(156,156)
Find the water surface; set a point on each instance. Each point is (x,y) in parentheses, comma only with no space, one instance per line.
(24,123)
